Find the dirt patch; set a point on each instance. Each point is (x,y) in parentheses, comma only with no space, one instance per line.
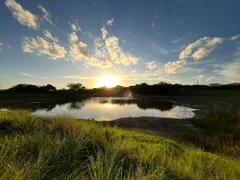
(165,126)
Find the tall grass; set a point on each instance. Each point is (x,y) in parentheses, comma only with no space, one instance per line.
(33,147)
(221,131)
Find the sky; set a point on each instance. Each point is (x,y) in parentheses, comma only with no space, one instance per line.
(175,41)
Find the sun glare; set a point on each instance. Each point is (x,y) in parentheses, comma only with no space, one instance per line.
(108,81)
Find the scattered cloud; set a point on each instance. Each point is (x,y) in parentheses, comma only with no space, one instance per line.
(237,53)
(207,49)
(200,48)
(79,77)
(25,74)
(9,46)
(178,40)
(199,77)
(235,37)
(72,37)
(41,46)
(30,75)
(160,49)
(48,35)
(231,71)
(110,22)
(116,54)
(79,51)
(22,15)
(153,24)
(173,66)
(98,42)
(106,51)
(151,65)
(46,14)
(75,27)
(1,44)
(212,78)
(104,32)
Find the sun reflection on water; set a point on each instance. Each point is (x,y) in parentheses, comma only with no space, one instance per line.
(108,105)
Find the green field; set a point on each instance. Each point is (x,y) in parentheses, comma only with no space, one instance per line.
(33,147)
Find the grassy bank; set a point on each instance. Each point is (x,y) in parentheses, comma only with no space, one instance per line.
(220,132)
(33,147)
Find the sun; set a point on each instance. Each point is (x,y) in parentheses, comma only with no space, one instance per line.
(107,81)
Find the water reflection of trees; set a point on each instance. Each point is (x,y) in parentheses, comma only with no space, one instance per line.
(146,104)
(76,105)
(46,105)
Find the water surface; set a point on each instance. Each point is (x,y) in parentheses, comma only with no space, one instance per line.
(113,108)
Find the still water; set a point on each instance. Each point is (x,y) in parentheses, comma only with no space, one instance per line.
(113,108)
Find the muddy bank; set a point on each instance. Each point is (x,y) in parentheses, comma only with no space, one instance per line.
(165,126)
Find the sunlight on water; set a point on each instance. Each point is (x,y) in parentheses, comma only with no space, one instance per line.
(113,108)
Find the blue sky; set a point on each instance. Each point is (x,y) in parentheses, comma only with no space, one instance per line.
(177,41)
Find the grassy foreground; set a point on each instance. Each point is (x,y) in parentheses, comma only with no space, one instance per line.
(33,147)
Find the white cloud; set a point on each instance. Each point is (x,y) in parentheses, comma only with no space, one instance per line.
(79,51)
(174,66)
(159,49)
(207,48)
(110,22)
(231,71)
(153,24)
(200,48)
(22,15)
(79,77)
(29,75)
(104,32)
(46,14)
(98,42)
(127,59)
(48,35)
(25,74)
(151,65)
(116,54)
(9,46)
(72,37)
(199,77)
(177,40)
(1,44)
(212,78)
(113,47)
(189,49)
(75,28)
(106,51)
(40,46)
(235,37)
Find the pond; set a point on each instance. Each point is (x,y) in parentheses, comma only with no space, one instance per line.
(106,109)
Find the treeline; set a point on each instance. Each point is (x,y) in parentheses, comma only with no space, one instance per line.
(29,88)
(161,88)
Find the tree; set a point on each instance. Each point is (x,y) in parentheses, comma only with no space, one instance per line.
(75,86)
(48,88)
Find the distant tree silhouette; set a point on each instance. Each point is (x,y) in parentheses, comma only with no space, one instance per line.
(75,86)
(29,88)
(48,88)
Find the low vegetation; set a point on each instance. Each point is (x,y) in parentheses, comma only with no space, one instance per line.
(220,131)
(33,147)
